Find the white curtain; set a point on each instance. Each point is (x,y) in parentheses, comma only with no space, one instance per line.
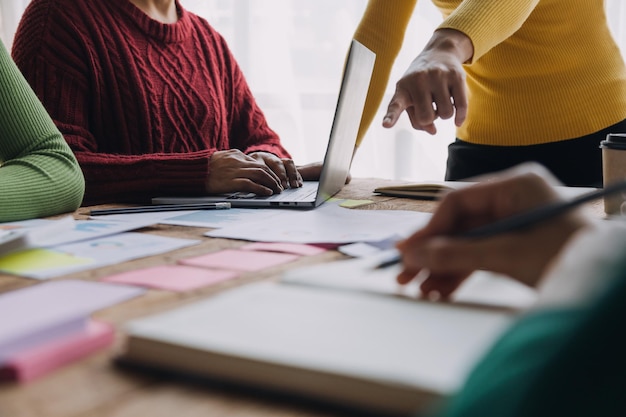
(292,52)
(10,12)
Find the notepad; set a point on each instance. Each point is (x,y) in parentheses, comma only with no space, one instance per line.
(36,361)
(54,310)
(423,191)
(434,190)
(372,352)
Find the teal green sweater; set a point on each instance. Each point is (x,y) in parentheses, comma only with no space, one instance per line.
(562,361)
(39,175)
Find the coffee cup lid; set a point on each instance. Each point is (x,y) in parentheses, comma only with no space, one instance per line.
(614,141)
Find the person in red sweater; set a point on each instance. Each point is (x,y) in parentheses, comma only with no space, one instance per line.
(150,99)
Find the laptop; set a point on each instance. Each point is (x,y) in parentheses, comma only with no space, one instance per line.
(336,166)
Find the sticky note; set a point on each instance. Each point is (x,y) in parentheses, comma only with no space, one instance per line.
(36,361)
(354,203)
(172,277)
(39,259)
(42,312)
(240,260)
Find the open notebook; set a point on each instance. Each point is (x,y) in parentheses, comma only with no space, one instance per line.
(366,348)
(336,166)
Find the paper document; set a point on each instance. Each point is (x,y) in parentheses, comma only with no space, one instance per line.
(360,275)
(14,238)
(328,223)
(45,263)
(46,233)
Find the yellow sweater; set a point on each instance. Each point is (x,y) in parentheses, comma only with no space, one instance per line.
(542,70)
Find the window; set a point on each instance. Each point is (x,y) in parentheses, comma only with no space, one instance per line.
(292,52)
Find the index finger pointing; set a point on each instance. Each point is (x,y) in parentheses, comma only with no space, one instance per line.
(400,101)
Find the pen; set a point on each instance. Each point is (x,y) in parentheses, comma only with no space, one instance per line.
(166,207)
(524,219)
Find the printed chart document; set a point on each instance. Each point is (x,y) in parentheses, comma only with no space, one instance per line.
(47,233)
(46,263)
(371,351)
(19,236)
(328,223)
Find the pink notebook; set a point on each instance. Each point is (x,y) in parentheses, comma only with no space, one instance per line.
(37,361)
(41,313)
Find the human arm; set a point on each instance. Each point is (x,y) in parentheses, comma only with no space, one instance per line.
(560,358)
(523,255)
(381,29)
(434,84)
(149,128)
(39,175)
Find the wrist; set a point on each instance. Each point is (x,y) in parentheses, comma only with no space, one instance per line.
(453,42)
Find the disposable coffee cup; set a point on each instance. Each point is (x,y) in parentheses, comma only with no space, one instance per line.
(613,169)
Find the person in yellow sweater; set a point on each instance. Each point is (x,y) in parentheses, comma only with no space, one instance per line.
(525,80)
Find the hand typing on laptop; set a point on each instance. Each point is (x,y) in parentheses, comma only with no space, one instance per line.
(284,168)
(261,173)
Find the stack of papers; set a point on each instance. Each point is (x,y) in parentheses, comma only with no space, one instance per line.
(44,249)
(48,325)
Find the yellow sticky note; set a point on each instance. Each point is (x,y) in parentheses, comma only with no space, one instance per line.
(354,203)
(37,260)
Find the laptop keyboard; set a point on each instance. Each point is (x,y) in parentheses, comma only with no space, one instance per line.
(291,194)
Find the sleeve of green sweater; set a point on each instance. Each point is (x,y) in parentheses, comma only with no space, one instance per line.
(39,175)
(561,361)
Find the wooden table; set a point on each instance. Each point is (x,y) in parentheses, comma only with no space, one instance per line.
(94,387)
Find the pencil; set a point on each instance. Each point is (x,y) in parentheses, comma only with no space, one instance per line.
(166,207)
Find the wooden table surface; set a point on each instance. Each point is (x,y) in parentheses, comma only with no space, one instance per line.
(94,387)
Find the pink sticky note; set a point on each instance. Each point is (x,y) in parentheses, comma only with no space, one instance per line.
(172,277)
(240,260)
(295,248)
(39,360)
(42,312)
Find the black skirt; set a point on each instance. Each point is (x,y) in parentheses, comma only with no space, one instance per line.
(575,162)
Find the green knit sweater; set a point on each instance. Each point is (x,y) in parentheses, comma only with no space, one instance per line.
(560,361)
(39,175)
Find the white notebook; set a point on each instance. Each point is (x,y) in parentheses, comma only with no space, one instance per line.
(371,351)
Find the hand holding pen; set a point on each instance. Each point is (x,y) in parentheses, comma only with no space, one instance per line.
(445,248)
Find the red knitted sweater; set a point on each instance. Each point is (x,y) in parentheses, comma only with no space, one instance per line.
(142,104)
